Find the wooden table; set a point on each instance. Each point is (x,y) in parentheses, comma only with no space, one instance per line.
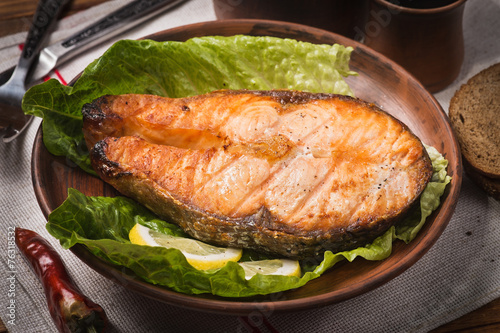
(16,15)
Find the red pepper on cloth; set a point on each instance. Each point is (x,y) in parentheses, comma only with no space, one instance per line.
(70,309)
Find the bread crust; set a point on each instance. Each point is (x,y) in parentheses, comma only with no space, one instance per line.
(475,117)
(490,185)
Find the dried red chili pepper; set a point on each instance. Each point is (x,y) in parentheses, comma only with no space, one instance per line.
(70,309)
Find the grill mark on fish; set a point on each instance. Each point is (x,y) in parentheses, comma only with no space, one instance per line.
(319,184)
(215,175)
(262,188)
(305,138)
(327,182)
(284,172)
(275,174)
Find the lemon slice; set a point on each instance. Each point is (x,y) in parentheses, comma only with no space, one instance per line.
(200,255)
(285,267)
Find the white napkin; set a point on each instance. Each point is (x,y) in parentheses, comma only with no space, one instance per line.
(460,273)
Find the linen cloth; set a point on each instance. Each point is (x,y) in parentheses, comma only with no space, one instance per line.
(460,273)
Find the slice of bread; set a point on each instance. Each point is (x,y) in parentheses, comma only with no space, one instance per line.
(490,185)
(475,117)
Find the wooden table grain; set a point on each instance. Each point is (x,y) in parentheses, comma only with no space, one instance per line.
(16,15)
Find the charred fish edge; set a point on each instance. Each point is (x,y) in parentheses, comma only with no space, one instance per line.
(254,232)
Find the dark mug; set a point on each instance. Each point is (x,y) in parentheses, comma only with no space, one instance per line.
(428,42)
(339,16)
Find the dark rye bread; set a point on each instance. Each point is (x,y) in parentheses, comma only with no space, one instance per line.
(490,185)
(475,117)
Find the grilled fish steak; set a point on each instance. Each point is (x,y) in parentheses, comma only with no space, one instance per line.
(283,172)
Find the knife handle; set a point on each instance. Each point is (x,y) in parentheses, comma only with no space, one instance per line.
(115,23)
(43,20)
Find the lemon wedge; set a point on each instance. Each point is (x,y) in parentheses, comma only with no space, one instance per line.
(200,255)
(285,267)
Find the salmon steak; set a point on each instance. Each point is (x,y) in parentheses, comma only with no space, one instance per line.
(284,172)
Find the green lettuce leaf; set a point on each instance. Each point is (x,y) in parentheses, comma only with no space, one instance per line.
(429,200)
(181,69)
(102,224)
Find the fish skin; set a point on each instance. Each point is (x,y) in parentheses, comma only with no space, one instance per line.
(322,172)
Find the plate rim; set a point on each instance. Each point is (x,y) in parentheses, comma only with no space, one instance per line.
(227,305)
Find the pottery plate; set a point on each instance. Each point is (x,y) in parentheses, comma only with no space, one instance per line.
(380,81)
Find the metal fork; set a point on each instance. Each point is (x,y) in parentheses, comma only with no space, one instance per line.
(12,119)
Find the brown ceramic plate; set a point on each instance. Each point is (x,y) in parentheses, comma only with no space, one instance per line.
(380,81)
